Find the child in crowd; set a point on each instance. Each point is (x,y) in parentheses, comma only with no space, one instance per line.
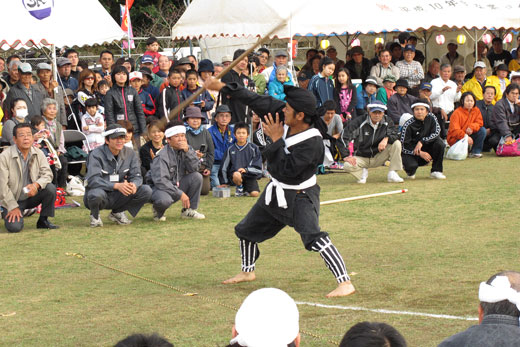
(129,132)
(93,125)
(345,95)
(136,82)
(201,141)
(242,164)
(321,85)
(276,86)
(152,49)
(387,90)
(41,141)
(155,144)
(103,88)
(204,101)
(223,137)
(170,96)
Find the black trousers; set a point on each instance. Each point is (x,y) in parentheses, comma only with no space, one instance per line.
(494,138)
(260,225)
(436,151)
(98,199)
(46,197)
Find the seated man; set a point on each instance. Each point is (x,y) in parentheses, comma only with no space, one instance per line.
(114,180)
(242,164)
(267,317)
(174,175)
(505,120)
(375,141)
(486,109)
(421,141)
(25,181)
(400,102)
(498,314)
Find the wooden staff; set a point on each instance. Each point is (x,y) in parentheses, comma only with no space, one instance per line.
(193,96)
(330,202)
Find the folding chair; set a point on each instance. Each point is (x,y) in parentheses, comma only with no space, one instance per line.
(72,136)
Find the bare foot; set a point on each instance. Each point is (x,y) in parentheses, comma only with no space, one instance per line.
(241,277)
(343,289)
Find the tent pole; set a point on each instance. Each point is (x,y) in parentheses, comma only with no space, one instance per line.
(425,48)
(54,66)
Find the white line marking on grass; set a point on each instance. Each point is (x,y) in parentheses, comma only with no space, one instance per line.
(409,313)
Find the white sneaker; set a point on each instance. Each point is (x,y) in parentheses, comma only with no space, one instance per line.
(119,218)
(410,177)
(437,175)
(94,223)
(393,177)
(190,213)
(364,176)
(156,216)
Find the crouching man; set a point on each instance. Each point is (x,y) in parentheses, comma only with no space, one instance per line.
(174,175)
(114,180)
(375,141)
(25,181)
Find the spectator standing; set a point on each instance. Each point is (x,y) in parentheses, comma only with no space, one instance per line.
(25,182)
(467,120)
(345,95)
(73,56)
(359,66)
(65,80)
(136,82)
(481,56)
(410,69)
(87,89)
(384,67)
(170,97)
(263,56)
(498,55)
(146,83)
(13,75)
(152,50)
(204,102)
(514,51)
(223,136)
(332,53)
(123,103)
(276,87)
(238,109)
(256,76)
(280,59)
(452,57)
(93,124)
(321,85)
(419,55)
(50,89)
(164,66)
(106,59)
(49,109)
(148,62)
(445,92)
(500,77)
(23,89)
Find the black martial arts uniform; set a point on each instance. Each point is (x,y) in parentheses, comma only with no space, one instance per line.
(290,163)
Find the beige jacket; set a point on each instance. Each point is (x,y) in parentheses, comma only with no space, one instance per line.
(11,174)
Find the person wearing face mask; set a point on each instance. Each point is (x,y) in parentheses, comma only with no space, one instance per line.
(19,114)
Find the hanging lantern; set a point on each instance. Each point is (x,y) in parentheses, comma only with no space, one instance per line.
(487,38)
(508,38)
(355,43)
(294,48)
(324,44)
(440,39)
(379,40)
(461,39)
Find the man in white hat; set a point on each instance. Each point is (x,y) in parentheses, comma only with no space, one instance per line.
(268,317)
(498,314)
(479,81)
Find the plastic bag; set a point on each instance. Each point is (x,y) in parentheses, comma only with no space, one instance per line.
(75,186)
(459,151)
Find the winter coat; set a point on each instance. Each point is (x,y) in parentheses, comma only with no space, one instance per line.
(460,120)
(125,104)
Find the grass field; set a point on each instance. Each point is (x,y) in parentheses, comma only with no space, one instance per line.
(423,251)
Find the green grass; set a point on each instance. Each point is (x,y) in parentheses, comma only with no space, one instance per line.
(424,251)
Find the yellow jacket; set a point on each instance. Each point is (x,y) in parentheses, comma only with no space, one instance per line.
(474,86)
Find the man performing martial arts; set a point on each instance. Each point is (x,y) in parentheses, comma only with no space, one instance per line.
(292,196)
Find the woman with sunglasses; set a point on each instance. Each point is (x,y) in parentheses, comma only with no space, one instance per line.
(87,89)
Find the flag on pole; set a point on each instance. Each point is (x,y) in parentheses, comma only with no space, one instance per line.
(126,24)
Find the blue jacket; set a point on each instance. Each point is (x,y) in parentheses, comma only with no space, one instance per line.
(154,91)
(276,89)
(70,83)
(363,99)
(221,143)
(247,157)
(322,88)
(206,96)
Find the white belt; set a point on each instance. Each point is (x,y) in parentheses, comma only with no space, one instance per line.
(279,187)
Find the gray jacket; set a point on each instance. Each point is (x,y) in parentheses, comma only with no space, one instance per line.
(169,167)
(495,330)
(503,120)
(17,91)
(59,96)
(203,138)
(101,164)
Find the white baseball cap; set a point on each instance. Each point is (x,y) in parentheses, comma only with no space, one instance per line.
(135,74)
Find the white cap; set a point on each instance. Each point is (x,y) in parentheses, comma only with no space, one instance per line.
(479,64)
(268,317)
(135,74)
(514,74)
(227,58)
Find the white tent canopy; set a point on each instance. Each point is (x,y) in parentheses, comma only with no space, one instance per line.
(62,23)
(209,18)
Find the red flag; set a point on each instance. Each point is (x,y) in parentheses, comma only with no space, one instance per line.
(129,4)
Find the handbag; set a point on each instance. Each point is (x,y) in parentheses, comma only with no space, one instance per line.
(459,151)
(508,149)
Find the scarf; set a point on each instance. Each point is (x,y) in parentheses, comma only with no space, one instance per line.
(193,131)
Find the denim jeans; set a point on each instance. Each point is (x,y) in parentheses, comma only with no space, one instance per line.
(478,140)
(214,175)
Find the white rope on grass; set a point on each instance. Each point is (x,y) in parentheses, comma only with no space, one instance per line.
(384,311)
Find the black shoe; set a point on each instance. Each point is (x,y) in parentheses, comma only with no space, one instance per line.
(45,224)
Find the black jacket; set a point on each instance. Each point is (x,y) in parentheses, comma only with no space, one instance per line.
(415,130)
(365,69)
(366,138)
(17,91)
(238,108)
(487,112)
(125,104)
(503,121)
(169,98)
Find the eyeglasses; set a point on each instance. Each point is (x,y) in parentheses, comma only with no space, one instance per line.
(89,78)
